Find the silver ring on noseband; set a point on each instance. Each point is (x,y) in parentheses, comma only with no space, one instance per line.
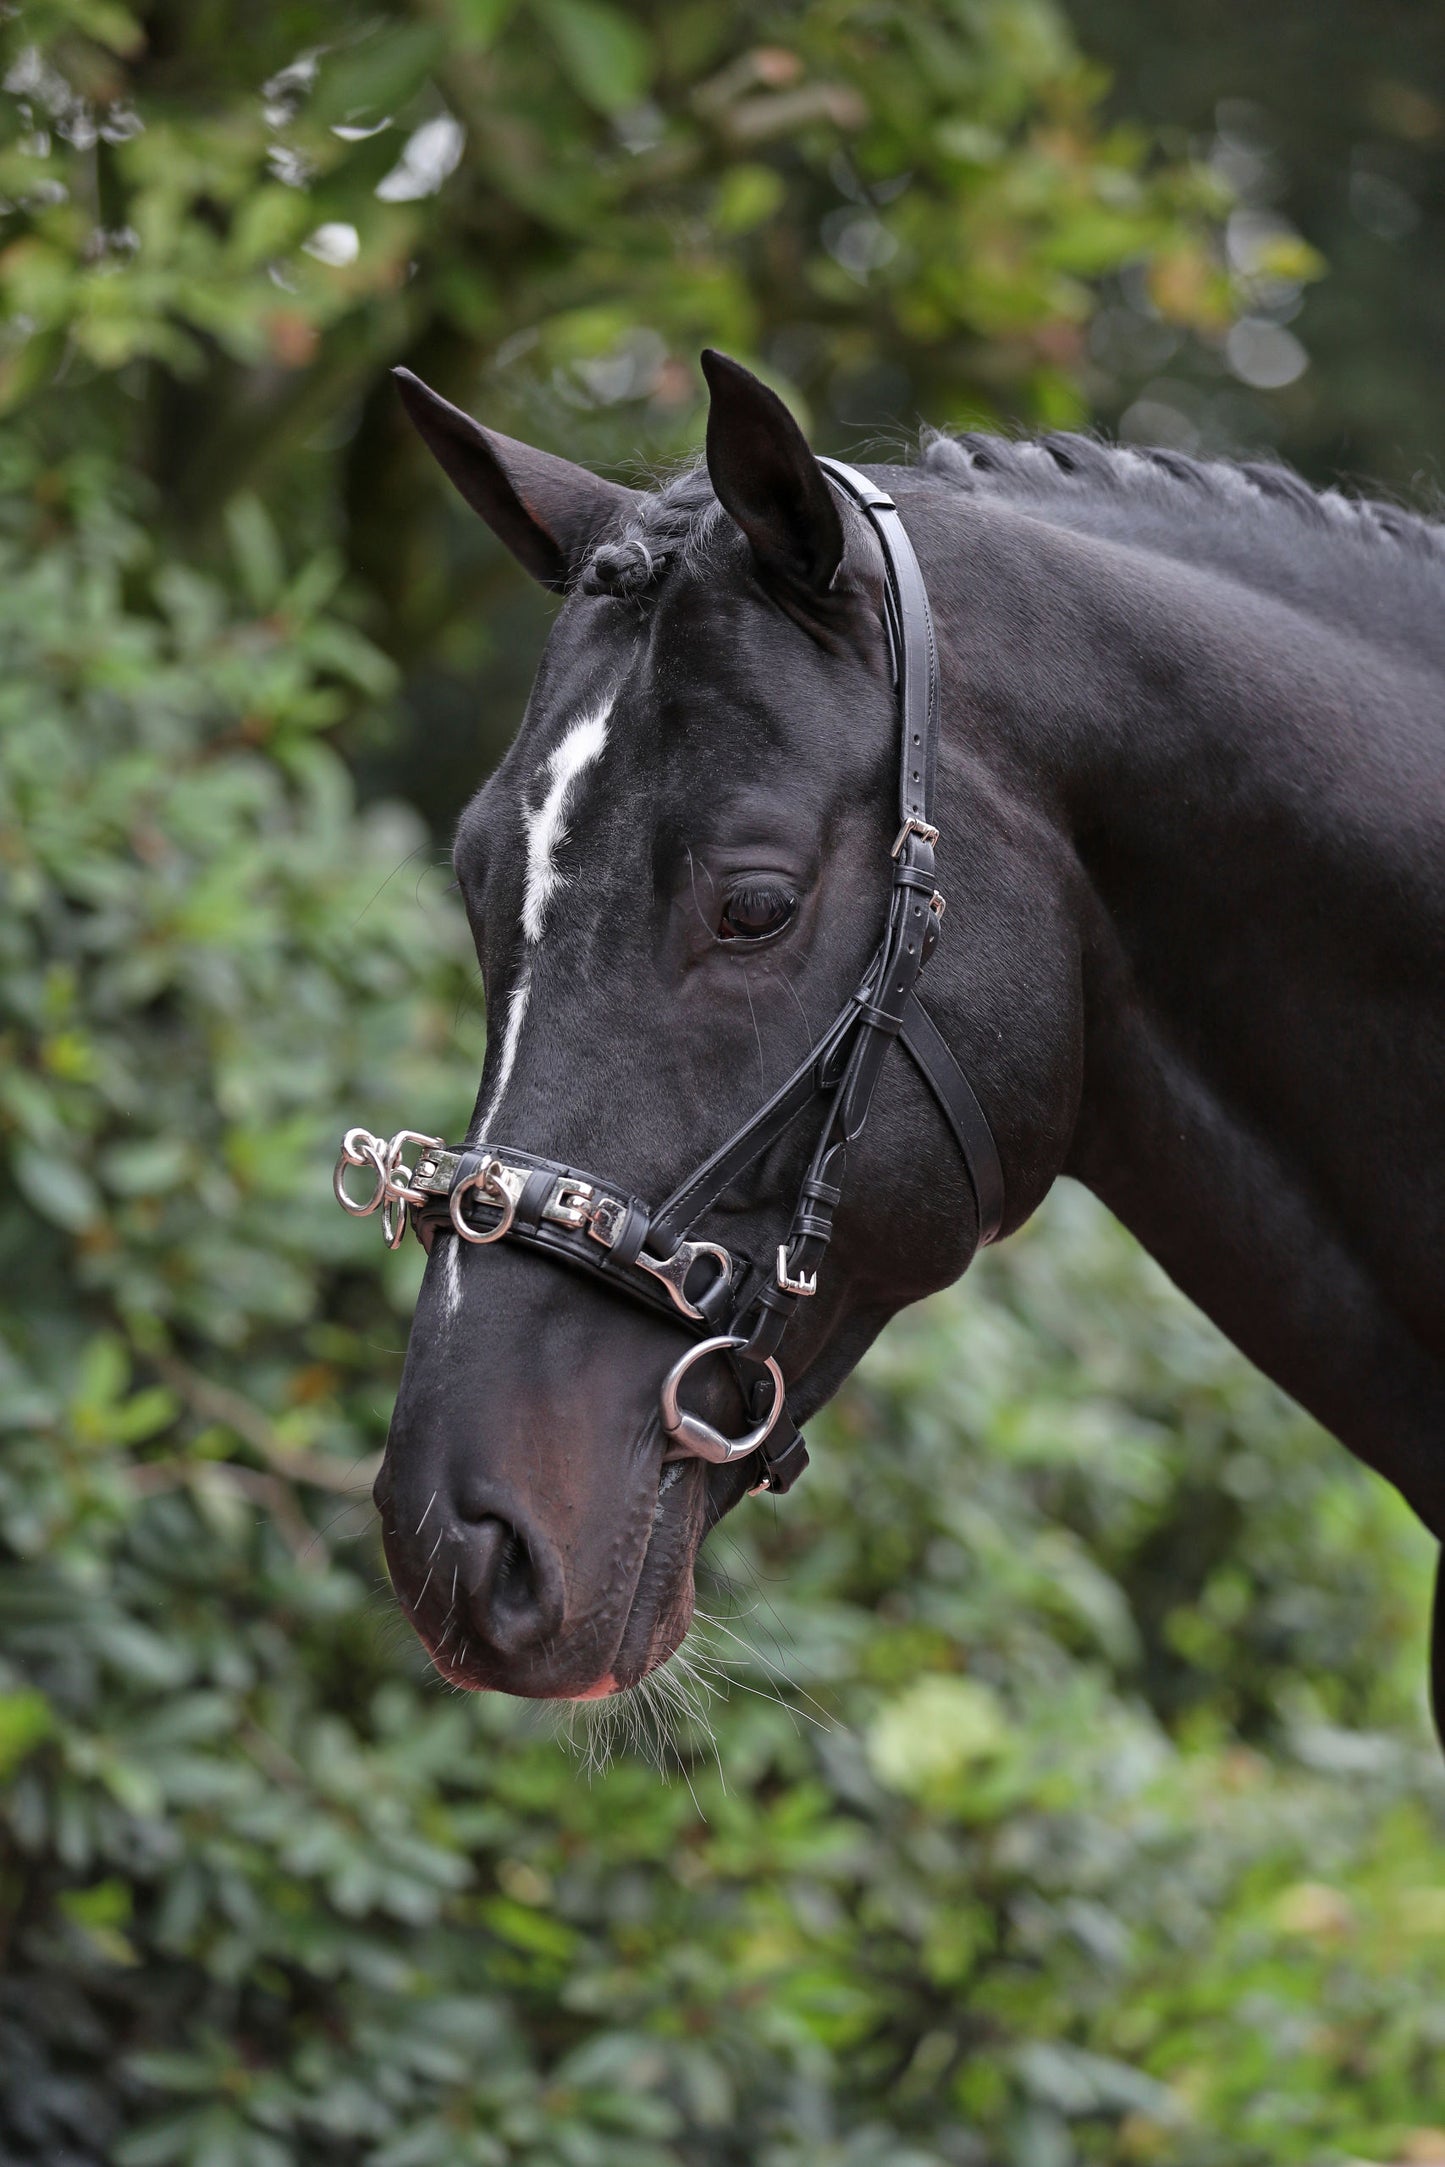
(394,1191)
(393,1222)
(690,1433)
(490,1180)
(359,1148)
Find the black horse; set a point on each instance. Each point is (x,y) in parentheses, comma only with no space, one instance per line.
(1191,802)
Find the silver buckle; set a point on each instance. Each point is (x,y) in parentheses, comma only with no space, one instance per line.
(577,1204)
(805,1283)
(570,1202)
(609,1216)
(938,904)
(923,829)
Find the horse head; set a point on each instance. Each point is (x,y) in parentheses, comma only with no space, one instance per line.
(676,880)
(1188,823)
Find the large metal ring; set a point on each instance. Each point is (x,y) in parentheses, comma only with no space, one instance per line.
(690,1433)
(487,1178)
(360,1148)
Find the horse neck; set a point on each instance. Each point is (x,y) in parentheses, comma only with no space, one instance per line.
(1250,803)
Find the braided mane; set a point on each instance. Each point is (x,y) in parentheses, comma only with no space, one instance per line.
(1350,560)
(1053,466)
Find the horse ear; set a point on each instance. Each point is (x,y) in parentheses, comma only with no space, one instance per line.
(767,478)
(547,511)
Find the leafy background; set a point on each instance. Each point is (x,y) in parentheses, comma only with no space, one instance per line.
(1050,1781)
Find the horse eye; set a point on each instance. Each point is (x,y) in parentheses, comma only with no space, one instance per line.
(755,914)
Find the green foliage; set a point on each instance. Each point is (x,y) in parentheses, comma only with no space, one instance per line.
(598,137)
(1066,1796)
(1343,141)
(549,206)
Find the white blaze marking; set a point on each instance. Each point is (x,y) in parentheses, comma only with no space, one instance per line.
(512,1031)
(547,826)
(545,832)
(451,1274)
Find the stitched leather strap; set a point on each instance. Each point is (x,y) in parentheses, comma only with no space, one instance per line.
(813,1076)
(608,1244)
(912,927)
(961,1110)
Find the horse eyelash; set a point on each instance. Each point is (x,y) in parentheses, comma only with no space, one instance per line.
(763,892)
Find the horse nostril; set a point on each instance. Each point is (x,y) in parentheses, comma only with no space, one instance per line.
(513,1583)
(513,1600)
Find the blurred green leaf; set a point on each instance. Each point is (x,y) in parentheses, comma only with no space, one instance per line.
(374,72)
(257,550)
(58,1187)
(607,56)
(25,1719)
(935,1730)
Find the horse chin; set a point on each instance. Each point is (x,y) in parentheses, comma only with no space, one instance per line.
(665,1595)
(658,1617)
(692,1498)
(647,1642)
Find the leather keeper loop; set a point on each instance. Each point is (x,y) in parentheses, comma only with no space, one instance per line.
(630,1241)
(715,1302)
(786,1461)
(925,879)
(881,1019)
(529,1204)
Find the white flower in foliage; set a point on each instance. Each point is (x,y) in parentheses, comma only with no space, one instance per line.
(432,152)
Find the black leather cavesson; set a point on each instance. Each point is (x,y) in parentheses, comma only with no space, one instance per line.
(577,1218)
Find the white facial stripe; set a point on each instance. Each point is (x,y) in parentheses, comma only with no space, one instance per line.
(547,825)
(451,1274)
(545,831)
(512,1031)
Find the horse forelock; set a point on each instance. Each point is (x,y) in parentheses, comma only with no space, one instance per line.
(674,527)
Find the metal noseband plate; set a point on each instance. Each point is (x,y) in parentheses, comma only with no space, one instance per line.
(690,1434)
